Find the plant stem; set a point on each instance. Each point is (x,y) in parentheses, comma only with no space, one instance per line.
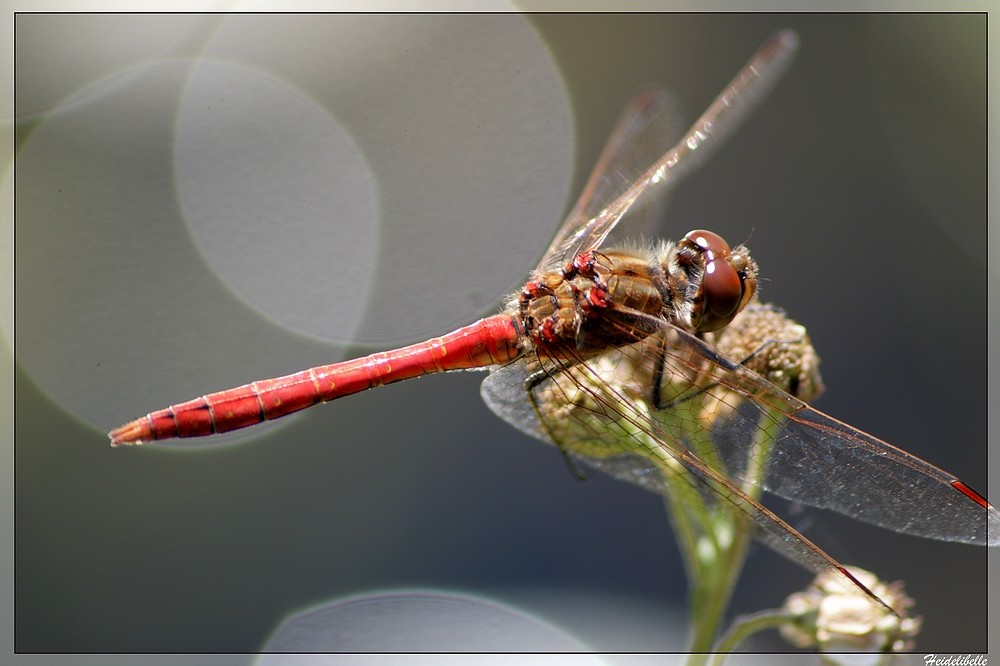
(747,625)
(715,560)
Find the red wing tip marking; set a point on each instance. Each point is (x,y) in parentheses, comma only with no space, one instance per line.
(971,494)
(871,594)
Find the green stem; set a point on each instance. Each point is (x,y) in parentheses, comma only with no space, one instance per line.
(747,625)
(713,575)
(711,590)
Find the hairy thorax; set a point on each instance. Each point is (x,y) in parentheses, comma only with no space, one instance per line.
(618,296)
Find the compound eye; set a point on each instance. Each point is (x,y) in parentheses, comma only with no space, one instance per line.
(747,270)
(710,242)
(722,291)
(725,288)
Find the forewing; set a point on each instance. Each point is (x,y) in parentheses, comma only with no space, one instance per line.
(595,411)
(623,172)
(808,456)
(686,395)
(646,129)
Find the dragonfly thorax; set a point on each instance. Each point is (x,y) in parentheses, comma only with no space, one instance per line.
(613,297)
(598,299)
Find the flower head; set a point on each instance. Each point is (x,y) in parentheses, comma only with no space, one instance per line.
(838,619)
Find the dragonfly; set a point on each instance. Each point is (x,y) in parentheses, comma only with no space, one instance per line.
(655,363)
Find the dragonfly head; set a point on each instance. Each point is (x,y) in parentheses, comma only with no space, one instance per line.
(728,278)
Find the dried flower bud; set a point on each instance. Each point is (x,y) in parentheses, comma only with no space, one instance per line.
(837,619)
(775,347)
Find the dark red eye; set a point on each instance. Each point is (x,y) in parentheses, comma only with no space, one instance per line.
(709,242)
(723,292)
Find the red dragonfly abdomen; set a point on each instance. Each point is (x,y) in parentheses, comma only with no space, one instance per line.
(487,342)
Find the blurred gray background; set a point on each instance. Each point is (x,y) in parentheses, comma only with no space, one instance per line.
(859,186)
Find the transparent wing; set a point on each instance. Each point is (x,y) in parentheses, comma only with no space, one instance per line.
(645,218)
(712,413)
(585,410)
(812,457)
(625,170)
(646,129)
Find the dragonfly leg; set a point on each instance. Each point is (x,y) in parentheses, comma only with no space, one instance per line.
(530,384)
(660,370)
